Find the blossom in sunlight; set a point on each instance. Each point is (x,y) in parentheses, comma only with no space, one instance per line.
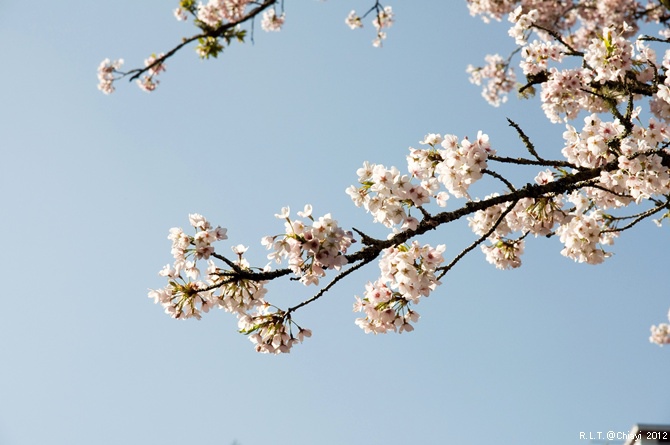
(407,275)
(271,21)
(149,82)
(180,14)
(660,334)
(353,21)
(106,71)
(311,247)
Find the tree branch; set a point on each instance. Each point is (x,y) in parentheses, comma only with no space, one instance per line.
(215,32)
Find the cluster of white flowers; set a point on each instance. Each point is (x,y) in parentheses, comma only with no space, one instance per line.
(271,21)
(239,296)
(180,14)
(185,296)
(664,89)
(590,148)
(639,176)
(500,79)
(148,82)
(183,301)
(387,194)
(522,23)
(565,95)
(271,332)
(201,242)
(106,71)
(537,54)
(310,249)
(583,236)
(482,221)
(608,54)
(661,334)
(608,57)
(503,253)
(353,21)
(383,19)
(537,216)
(462,164)
(236,295)
(407,275)
(215,12)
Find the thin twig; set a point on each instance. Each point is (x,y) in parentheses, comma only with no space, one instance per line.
(559,39)
(526,140)
(525,161)
(216,32)
(509,185)
(642,216)
(480,240)
(330,285)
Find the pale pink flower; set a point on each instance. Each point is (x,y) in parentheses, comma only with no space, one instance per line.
(271,21)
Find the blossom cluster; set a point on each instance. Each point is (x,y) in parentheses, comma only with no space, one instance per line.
(661,334)
(235,291)
(537,216)
(383,19)
(186,296)
(565,94)
(499,76)
(148,82)
(407,275)
(216,12)
(272,22)
(537,54)
(388,194)
(462,163)
(106,71)
(504,253)
(608,57)
(353,21)
(598,33)
(310,248)
(579,20)
(271,331)
(591,147)
(583,237)
(639,175)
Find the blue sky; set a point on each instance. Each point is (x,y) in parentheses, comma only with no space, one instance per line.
(91,184)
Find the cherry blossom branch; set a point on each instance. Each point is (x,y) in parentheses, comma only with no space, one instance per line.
(525,161)
(640,217)
(212,32)
(376,7)
(374,247)
(653,39)
(234,266)
(571,50)
(608,165)
(605,189)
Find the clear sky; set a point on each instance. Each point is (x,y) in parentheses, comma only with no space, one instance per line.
(91,184)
